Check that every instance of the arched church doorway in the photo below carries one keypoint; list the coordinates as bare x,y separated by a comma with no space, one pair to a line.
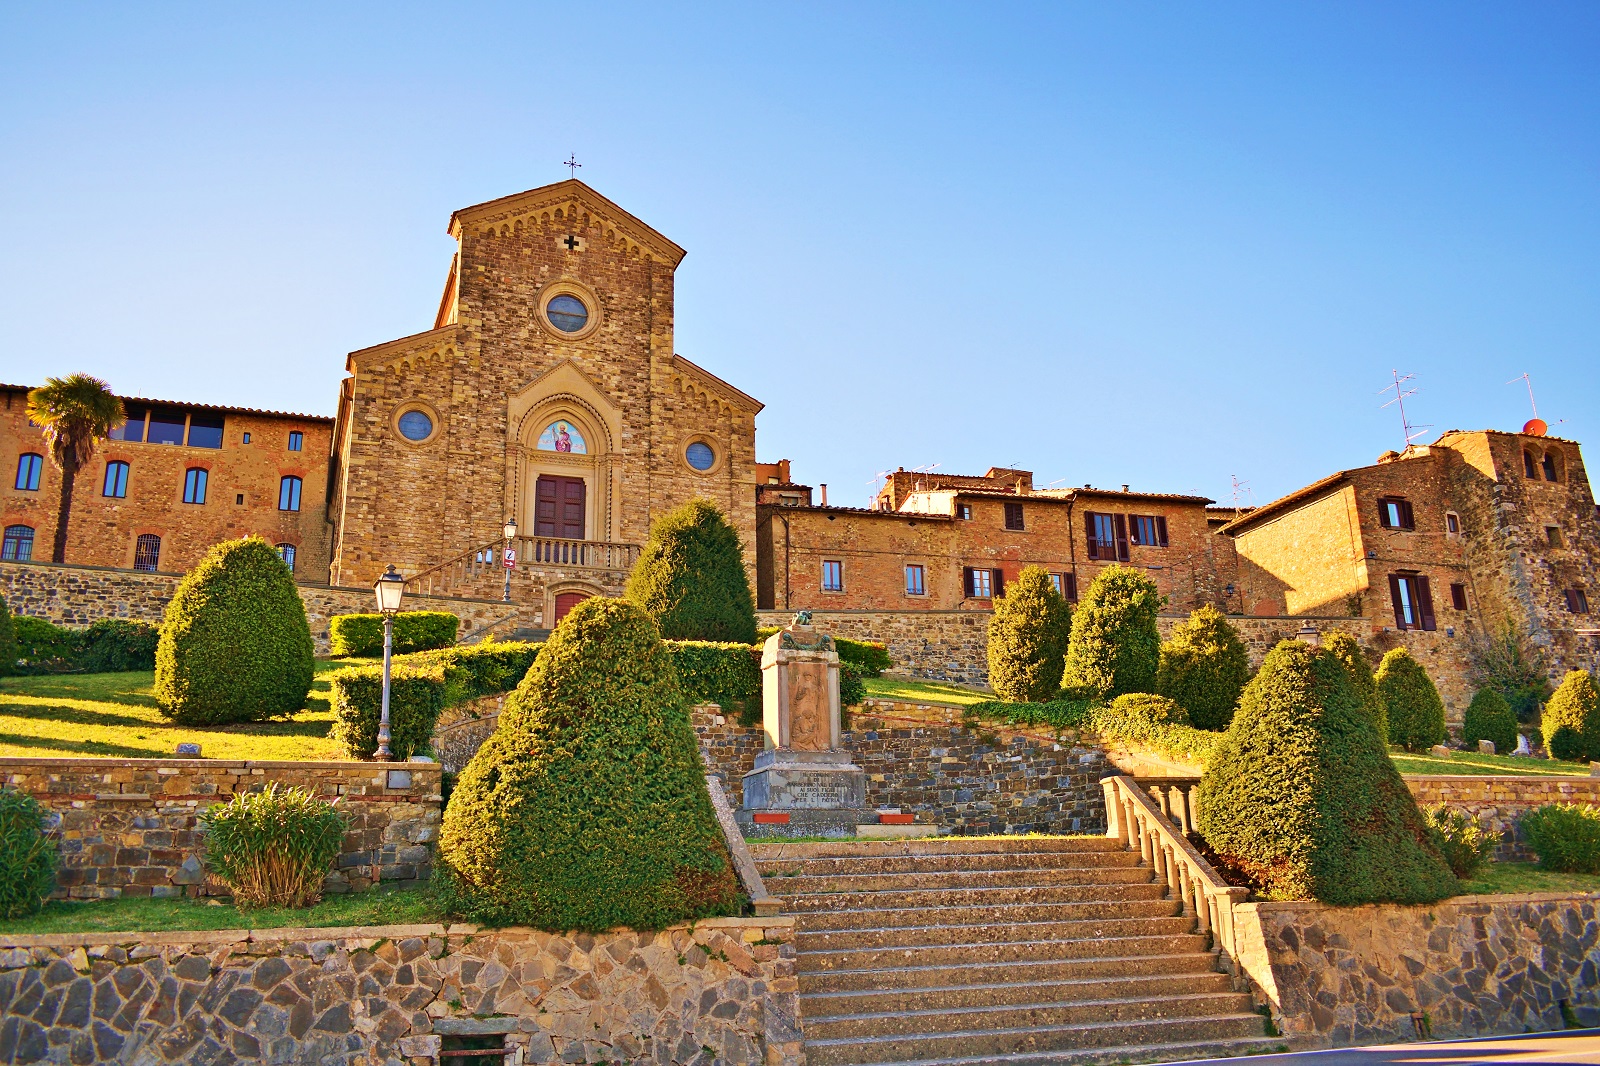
566,601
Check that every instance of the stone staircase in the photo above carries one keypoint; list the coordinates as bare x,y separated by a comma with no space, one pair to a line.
1023,952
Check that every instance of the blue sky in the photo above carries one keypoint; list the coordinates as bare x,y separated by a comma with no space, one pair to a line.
1163,245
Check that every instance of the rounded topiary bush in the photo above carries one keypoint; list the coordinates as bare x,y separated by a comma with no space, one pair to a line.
1028,638
1301,797
1571,721
1149,708
1411,705
1204,668
690,578
8,640
1347,650
1489,717
587,808
235,646
1115,647
27,857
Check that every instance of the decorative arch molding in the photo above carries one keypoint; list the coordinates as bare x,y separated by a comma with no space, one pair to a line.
588,589
563,393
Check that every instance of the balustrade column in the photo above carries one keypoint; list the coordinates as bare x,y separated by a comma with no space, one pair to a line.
1179,801
1174,882
1114,824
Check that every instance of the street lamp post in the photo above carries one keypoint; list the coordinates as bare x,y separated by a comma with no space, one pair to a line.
390,590
506,557
1309,634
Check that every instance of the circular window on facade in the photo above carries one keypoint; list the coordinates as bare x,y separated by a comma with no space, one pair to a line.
700,456
415,426
567,313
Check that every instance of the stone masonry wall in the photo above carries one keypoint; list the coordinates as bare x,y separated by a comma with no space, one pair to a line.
1499,802
722,990
1469,966
129,827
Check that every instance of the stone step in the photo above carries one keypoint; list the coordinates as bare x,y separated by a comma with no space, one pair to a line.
936,846
927,880
946,899
1014,1040
1018,991
892,978
913,864
1090,929
1117,1055
967,917
874,956
1034,1014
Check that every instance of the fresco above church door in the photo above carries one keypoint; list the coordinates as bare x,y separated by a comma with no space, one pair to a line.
562,436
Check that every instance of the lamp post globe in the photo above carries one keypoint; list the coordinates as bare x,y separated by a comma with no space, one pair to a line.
390,589
511,534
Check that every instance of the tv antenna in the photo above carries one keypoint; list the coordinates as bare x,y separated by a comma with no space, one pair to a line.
1412,432
1535,426
1241,492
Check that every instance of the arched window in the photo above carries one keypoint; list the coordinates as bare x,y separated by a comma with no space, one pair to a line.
286,553
194,485
116,483
18,544
147,552
1528,466
289,494
1551,471
29,466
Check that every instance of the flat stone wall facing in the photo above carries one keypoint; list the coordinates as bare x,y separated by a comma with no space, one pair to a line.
1499,802
723,989
129,827
1469,966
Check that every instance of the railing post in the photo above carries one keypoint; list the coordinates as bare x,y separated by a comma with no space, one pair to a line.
1113,823
1160,796
1174,880
1146,838
1179,801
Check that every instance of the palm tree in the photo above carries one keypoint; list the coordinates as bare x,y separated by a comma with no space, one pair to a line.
76,412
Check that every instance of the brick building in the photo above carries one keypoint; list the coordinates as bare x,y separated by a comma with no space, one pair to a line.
176,479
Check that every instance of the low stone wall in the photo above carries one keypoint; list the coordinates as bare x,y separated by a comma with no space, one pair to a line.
723,989
129,827
927,761
1469,966
1499,802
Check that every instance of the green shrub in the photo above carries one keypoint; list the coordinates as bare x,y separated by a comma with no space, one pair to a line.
1571,721
1508,661
871,656
273,848
1204,667
362,634
1028,636
421,686
1489,717
690,577
852,685
587,808
1302,798
8,641
1565,837
1115,647
235,646
1464,843
108,645
1127,720
1151,708
1411,705
726,674
27,858
1347,650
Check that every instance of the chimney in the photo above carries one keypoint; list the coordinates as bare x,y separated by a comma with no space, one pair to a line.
824,487
1124,488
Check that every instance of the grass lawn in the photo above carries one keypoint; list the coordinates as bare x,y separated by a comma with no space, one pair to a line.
1472,764
77,715
892,688
1527,877
406,907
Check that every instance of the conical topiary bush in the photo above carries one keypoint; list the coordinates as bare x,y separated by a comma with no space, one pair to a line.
1115,646
690,578
1302,797
235,645
1204,668
1411,705
1571,721
1028,638
1347,650
587,808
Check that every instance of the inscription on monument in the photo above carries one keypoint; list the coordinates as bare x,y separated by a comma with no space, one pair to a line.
819,796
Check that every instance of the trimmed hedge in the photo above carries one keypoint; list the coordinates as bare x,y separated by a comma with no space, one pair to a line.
690,577
109,645
235,646
871,657
1115,647
362,634
1140,719
8,641
421,686
727,674
1571,721
587,808
1302,799
1347,650
1204,667
1565,836
1028,635
852,685
1411,704
27,857
1489,717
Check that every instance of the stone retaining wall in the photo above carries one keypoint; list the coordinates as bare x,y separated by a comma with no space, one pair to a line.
1469,966
129,827
723,989
1498,802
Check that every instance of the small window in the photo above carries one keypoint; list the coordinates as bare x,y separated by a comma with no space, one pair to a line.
832,575
247,437
29,466
915,584
205,431
147,552
788,500
116,483
1549,467
1529,467
1071,590
166,426
1059,583
18,544
1552,534
1013,515
296,440
194,486
982,584
289,494
1395,513
238,499
964,512
286,553
567,313
1452,522
1577,602
1458,597
133,428
1148,531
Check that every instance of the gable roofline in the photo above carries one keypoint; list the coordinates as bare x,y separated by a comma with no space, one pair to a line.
1285,503
711,381
574,191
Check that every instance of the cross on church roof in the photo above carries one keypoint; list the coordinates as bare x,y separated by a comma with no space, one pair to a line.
571,242
572,165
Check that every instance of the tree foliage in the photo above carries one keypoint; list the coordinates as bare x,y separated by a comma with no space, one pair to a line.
1512,664
1204,668
1347,650
1489,717
1115,647
8,640
690,578
76,413
27,856
1411,704
1571,720
1028,637
1302,798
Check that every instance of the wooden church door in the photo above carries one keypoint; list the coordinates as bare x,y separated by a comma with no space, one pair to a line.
558,507
566,601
